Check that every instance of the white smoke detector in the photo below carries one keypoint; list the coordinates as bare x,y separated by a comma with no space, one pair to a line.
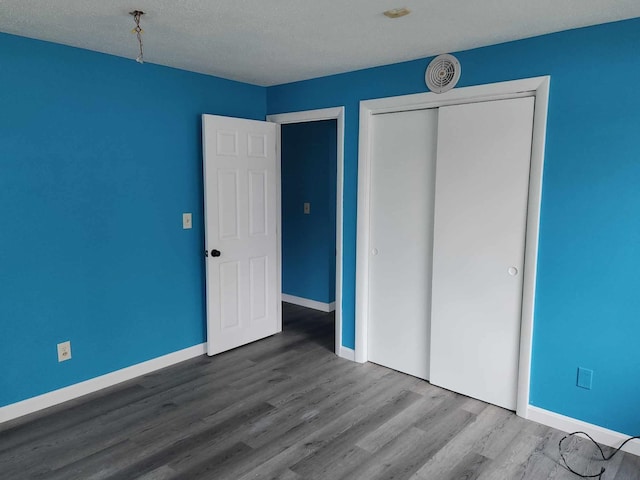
442,73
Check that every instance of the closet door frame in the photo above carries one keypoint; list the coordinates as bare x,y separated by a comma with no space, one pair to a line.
538,88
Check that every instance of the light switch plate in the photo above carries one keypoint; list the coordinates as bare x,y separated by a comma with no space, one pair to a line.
307,208
186,221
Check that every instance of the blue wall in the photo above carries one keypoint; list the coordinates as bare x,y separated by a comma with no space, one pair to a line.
587,299
99,157
309,241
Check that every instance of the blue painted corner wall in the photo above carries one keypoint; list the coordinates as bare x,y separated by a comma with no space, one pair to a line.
309,157
587,301
99,158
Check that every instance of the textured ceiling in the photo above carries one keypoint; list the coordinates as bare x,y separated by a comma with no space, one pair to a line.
268,42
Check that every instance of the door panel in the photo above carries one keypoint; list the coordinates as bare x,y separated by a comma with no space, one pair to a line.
401,223
228,203
259,288
258,203
229,293
482,180
240,222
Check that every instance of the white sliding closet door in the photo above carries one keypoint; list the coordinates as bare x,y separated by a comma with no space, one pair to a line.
401,234
482,181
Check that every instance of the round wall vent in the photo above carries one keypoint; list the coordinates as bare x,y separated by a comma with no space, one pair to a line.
442,73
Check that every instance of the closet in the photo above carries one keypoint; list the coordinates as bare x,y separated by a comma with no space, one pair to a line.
448,211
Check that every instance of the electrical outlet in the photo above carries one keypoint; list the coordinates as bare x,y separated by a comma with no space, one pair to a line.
307,208
64,351
585,378
186,221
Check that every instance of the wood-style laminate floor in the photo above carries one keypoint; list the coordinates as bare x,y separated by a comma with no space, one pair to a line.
287,408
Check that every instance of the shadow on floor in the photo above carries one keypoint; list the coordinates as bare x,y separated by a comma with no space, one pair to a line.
315,326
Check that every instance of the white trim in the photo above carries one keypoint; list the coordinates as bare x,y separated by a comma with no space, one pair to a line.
336,113
307,302
347,353
71,392
537,87
602,435
531,243
362,235
278,229
478,93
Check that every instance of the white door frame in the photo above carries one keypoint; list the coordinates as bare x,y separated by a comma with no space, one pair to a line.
336,113
537,87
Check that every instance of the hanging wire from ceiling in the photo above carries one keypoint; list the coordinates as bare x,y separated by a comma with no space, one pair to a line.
137,14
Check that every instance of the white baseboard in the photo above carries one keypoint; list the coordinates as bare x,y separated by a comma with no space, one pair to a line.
567,424
65,394
347,353
305,302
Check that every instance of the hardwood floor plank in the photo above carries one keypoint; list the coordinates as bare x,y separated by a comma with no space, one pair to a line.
41,424
398,460
472,439
342,449
214,435
213,465
514,459
327,374
302,441
162,473
474,406
469,467
370,394
401,459
99,465
501,436
395,426
544,459
629,468
286,408
583,457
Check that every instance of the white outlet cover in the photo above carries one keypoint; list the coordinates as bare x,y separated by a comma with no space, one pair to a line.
186,221
64,351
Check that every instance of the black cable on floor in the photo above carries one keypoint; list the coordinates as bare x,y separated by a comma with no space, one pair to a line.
604,457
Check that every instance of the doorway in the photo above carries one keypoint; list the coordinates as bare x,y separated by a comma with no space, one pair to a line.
308,185
304,223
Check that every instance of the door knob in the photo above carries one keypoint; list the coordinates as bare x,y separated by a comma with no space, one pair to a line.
513,271
215,253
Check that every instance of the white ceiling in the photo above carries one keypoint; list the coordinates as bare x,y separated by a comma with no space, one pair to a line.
269,42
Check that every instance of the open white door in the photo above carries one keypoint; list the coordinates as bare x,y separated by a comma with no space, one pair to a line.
240,174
